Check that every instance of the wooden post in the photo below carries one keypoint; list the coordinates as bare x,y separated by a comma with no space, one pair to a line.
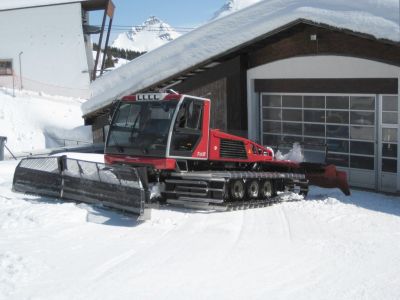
100,42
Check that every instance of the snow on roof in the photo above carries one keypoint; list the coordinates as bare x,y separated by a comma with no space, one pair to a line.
378,18
15,4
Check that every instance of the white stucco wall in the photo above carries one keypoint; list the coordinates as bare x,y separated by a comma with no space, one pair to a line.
309,67
54,55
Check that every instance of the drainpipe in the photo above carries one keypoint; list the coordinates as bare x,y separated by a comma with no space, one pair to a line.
20,68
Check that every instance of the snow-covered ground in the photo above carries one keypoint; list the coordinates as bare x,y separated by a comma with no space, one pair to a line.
34,121
326,247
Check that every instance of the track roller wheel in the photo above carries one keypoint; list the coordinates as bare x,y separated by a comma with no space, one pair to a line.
237,190
253,189
267,189
304,188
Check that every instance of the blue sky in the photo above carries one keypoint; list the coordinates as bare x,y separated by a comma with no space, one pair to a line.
177,13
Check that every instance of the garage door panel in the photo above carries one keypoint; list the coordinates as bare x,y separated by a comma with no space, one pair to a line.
337,102
345,124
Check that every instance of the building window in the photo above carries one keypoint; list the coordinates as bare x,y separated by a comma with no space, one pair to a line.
6,67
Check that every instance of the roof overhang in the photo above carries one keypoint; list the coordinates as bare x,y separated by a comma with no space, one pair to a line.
212,62
229,35
255,43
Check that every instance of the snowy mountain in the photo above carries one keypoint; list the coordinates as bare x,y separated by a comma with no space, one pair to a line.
151,34
231,6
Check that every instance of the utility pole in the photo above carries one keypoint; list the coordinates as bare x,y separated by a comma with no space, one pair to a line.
20,68
13,79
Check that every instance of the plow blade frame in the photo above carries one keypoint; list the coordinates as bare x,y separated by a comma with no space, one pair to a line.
120,187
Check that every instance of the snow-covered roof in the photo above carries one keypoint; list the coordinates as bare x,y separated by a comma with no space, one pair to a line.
378,18
14,4
231,6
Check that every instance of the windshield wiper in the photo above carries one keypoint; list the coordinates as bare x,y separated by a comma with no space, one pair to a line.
133,128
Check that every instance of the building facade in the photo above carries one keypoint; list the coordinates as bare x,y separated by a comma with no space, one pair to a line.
46,47
344,94
353,112
341,95
321,86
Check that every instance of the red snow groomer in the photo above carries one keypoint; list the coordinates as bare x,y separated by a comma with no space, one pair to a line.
170,134
161,146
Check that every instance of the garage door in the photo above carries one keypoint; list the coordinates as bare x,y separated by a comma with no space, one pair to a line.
388,143
346,124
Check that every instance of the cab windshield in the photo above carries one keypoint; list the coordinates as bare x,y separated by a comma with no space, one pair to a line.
141,128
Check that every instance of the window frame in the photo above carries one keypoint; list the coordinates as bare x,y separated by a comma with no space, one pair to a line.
176,131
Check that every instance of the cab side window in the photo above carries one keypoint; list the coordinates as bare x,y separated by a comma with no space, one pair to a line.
187,127
190,115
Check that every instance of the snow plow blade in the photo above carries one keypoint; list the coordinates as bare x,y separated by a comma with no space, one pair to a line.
326,176
120,187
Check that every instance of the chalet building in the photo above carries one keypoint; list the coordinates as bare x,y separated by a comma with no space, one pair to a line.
45,45
303,79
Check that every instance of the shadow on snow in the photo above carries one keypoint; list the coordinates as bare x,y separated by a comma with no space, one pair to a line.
389,204
384,203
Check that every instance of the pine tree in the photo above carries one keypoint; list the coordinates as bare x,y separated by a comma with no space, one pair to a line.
109,63
119,53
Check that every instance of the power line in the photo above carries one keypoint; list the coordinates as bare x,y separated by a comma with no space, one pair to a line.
123,29
147,28
151,30
142,26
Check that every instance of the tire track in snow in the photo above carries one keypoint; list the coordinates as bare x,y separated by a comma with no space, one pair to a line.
181,239
239,233
125,260
181,236
106,269
284,221
111,264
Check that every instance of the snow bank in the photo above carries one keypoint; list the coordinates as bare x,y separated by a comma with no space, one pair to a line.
56,137
118,62
156,189
294,154
377,18
33,121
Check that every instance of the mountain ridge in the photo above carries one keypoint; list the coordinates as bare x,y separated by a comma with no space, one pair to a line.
151,34
154,32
